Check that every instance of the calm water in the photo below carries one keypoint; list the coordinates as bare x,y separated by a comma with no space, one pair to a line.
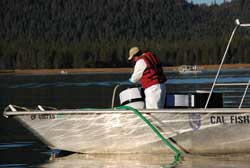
19,148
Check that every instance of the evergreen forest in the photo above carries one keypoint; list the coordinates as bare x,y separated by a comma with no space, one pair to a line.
51,34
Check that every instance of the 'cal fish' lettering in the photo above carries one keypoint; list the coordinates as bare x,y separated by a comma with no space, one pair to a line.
217,120
242,119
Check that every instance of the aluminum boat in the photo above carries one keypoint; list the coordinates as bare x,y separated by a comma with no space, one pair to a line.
191,130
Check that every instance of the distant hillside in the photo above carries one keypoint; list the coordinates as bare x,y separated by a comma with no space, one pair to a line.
98,33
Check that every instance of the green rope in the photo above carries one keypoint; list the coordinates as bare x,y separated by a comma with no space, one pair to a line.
178,155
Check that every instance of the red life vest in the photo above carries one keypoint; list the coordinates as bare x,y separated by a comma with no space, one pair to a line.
153,74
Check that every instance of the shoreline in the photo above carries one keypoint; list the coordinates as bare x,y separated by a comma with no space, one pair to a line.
110,70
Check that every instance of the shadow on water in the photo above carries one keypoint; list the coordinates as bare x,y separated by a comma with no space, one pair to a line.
18,147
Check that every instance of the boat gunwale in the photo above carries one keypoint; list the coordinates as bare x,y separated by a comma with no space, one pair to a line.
143,111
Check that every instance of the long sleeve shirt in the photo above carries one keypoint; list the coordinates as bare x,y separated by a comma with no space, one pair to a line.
139,68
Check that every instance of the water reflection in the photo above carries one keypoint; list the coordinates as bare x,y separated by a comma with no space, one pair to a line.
14,145
147,161
111,161
222,161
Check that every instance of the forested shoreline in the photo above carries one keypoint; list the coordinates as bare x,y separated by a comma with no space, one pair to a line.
45,34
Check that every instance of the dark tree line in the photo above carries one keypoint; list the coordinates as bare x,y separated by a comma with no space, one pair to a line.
98,33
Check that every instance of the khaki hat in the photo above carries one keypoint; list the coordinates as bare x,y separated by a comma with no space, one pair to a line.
132,52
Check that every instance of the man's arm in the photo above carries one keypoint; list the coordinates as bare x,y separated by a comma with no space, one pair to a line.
139,68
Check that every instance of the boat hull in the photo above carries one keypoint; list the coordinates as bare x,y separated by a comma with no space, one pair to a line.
116,131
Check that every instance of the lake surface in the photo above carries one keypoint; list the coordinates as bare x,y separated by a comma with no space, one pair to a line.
19,148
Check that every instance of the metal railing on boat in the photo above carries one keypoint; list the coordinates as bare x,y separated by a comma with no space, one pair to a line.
238,24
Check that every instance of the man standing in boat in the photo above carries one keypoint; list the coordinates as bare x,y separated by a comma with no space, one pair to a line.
148,70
